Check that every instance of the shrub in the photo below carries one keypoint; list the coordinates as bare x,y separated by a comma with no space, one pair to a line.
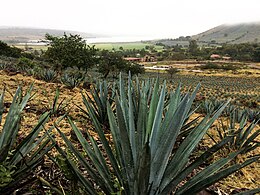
24,64
135,69
171,71
215,66
8,51
210,66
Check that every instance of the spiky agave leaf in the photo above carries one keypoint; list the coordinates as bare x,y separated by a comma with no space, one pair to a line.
29,153
98,97
144,131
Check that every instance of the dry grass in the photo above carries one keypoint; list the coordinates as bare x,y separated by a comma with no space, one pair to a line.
246,178
249,177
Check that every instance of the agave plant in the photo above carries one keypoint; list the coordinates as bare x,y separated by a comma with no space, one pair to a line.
244,135
48,75
57,108
18,159
140,159
209,106
253,115
71,80
100,94
3,66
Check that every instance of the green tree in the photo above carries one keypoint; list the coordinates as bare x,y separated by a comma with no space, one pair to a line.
8,51
172,71
111,61
193,47
256,54
135,68
69,51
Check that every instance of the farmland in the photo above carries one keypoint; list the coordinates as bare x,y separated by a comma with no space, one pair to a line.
243,91
107,46
116,46
79,123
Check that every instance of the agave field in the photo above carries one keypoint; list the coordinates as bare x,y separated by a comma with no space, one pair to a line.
243,90
133,135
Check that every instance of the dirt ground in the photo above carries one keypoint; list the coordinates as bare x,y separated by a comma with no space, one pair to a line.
248,177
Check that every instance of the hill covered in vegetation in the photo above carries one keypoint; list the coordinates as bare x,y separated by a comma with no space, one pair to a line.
234,34
223,34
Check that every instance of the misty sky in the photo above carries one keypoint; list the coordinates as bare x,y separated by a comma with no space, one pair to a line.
152,18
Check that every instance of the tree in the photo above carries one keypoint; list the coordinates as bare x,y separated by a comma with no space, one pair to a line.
193,47
69,51
256,54
8,51
111,61
172,71
135,68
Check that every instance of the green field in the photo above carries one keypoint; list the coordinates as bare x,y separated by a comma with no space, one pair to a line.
132,45
34,47
106,46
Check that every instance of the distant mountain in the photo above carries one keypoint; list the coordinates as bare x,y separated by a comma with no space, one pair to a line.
230,34
233,34
19,34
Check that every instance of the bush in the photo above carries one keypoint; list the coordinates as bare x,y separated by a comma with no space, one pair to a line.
215,66
8,51
24,64
135,69
210,66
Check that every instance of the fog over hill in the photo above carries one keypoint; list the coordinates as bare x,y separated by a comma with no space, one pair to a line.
235,33
20,34
226,33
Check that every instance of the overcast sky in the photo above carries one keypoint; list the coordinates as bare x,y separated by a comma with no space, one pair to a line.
152,18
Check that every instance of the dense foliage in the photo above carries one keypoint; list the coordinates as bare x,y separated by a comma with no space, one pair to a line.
69,51
110,61
8,51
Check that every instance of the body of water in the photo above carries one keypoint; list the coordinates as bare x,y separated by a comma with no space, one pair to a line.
118,39
94,40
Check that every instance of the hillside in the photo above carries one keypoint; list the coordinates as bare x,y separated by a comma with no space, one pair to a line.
19,34
234,34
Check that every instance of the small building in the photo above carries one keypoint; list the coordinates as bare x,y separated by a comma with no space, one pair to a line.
149,58
215,56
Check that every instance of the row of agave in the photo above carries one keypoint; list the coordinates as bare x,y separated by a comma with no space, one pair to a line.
244,91
153,138
71,78
208,106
